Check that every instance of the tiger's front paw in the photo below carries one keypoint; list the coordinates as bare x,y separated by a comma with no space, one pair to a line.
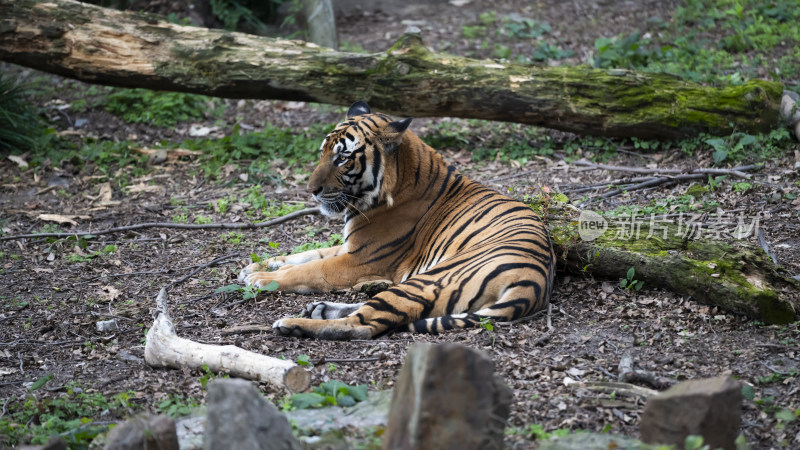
262,266
258,279
285,327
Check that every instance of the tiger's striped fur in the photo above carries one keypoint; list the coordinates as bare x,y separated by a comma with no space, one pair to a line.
457,251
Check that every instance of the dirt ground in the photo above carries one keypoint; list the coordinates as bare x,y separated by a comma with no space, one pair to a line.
51,304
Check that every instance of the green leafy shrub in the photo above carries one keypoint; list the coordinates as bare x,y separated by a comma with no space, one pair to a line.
33,420
162,109
332,393
269,144
19,121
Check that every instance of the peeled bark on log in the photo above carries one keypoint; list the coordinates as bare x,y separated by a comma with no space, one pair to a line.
165,349
126,49
736,276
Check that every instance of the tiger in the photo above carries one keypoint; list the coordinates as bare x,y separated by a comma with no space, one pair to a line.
457,252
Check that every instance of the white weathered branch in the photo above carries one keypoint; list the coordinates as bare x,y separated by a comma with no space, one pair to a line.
165,349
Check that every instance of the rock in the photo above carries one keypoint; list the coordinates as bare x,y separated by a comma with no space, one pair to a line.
104,326
711,408
55,443
371,412
191,430
447,397
595,441
143,431
239,417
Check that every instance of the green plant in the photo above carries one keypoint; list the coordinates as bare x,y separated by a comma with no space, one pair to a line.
202,219
629,282
693,442
20,126
547,51
76,258
248,292
208,375
32,419
162,109
303,360
524,28
177,406
776,377
335,239
263,147
537,432
473,32
502,51
331,393
222,205
231,13
486,325
737,142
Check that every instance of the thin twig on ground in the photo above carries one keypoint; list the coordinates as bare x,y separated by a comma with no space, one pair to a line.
204,266
736,171
245,329
324,360
183,226
523,319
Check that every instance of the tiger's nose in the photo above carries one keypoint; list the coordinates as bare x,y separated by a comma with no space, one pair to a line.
316,190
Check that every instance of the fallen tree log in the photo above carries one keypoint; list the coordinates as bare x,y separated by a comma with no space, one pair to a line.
734,275
165,349
105,46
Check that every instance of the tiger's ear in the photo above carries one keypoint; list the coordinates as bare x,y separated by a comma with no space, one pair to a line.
357,109
392,134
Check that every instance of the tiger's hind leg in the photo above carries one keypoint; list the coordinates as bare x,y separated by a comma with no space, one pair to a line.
384,312
329,310
519,300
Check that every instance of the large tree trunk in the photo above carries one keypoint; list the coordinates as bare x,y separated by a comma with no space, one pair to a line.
105,46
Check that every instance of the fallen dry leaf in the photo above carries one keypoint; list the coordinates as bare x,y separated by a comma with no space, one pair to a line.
109,293
172,153
105,192
61,218
141,187
18,161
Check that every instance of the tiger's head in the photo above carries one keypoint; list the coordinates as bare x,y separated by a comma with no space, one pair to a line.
357,166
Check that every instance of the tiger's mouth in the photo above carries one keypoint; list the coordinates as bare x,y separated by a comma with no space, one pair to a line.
332,204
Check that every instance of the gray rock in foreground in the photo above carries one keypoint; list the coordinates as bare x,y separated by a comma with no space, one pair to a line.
238,417
143,431
711,408
447,397
595,441
371,412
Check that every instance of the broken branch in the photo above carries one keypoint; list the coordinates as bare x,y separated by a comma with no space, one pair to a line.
165,349
184,226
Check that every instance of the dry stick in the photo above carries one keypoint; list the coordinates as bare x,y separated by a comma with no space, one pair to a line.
656,181
204,266
324,360
736,171
763,243
523,319
183,226
165,348
243,329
